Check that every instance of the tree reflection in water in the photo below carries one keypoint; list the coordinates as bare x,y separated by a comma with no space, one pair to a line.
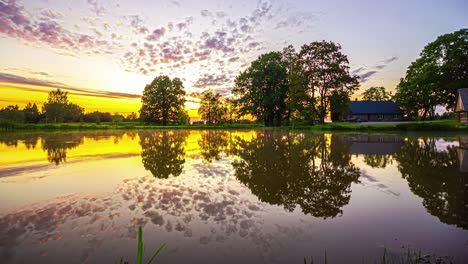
297,170
163,152
212,143
57,145
434,176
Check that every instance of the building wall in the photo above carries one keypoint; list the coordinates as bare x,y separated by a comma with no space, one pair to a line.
464,118
374,117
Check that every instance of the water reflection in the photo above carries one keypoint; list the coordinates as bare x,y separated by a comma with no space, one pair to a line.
221,197
56,146
435,176
163,152
297,170
377,149
212,143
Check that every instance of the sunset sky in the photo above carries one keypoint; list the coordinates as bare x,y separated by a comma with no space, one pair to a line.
105,52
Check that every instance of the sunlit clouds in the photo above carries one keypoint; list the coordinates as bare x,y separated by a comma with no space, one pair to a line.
121,46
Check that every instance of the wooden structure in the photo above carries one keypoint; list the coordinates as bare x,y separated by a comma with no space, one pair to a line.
373,111
462,105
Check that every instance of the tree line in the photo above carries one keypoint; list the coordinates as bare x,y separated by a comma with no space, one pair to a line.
315,82
58,109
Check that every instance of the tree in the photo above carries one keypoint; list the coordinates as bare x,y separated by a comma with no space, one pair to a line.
162,100
31,114
376,94
263,88
55,107
12,113
297,109
132,117
338,104
325,70
183,117
117,119
433,79
73,113
211,108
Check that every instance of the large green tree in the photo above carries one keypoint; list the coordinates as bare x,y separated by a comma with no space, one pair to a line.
162,100
325,69
433,79
376,94
56,106
211,108
262,89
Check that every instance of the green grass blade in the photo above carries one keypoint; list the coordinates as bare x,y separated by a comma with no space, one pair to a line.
156,253
140,246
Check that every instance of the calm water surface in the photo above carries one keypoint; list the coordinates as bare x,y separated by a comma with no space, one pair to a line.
231,196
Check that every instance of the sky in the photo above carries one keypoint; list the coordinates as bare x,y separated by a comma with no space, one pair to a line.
105,52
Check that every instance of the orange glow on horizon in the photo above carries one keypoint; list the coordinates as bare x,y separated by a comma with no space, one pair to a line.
22,94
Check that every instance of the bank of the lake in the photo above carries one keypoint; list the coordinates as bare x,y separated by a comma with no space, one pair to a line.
438,125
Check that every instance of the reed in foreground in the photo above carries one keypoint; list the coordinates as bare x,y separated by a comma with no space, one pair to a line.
140,250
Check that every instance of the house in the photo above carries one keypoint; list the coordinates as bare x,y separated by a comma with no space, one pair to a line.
373,111
462,105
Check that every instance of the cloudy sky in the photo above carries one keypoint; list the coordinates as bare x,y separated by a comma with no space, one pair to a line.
110,50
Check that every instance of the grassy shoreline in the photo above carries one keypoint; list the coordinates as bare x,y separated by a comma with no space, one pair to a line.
441,125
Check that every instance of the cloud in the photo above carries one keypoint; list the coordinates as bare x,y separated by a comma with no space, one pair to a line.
366,72
211,80
206,13
365,76
157,34
96,7
50,14
16,79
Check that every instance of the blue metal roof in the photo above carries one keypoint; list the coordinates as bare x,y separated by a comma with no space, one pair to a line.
374,107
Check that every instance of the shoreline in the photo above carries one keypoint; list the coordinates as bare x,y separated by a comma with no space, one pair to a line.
428,126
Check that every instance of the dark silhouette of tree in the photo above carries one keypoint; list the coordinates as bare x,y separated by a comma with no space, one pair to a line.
434,176
325,69
376,94
339,100
297,170
262,89
55,107
162,100
211,108
163,152
31,114
212,143
12,113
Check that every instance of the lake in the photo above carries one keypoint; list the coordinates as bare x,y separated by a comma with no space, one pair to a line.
262,196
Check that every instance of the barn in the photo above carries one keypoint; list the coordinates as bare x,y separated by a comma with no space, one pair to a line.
373,111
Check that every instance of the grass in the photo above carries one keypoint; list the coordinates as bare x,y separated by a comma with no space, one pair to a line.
140,251
408,257
439,125
11,126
